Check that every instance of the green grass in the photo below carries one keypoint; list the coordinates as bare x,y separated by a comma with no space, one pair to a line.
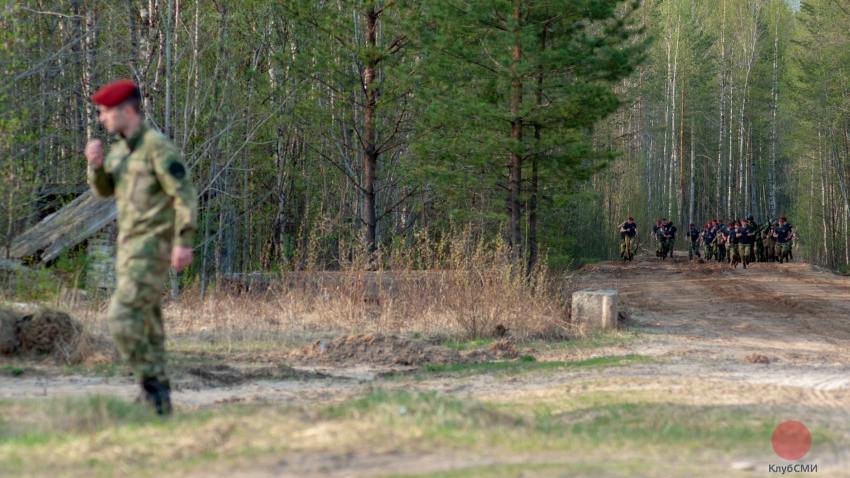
456,422
601,434
537,470
12,370
523,365
468,344
42,421
594,339
222,345
110,369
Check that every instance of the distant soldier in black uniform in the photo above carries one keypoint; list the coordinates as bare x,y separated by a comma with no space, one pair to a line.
709,234
784,235
659,239
732,244
722,240
757,246
628,234
769,241
693,239
745,242
669,237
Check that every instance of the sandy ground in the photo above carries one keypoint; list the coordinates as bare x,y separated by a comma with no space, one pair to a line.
704,325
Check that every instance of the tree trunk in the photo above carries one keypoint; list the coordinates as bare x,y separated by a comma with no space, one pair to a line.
370,155
729,177
692,184
674,155
680,197
532,203
718,180
771,176
515,166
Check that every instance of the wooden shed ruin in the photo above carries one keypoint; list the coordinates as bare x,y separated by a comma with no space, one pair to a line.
87,219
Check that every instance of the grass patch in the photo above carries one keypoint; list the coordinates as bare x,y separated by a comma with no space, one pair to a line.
526,364
592,340
10,370
42,420
468,344
98,436
108,369
51,436
691,427
223,344
643,427
629,469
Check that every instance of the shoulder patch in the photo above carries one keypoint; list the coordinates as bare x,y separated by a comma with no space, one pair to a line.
176,169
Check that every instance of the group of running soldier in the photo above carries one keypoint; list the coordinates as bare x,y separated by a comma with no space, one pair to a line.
737,242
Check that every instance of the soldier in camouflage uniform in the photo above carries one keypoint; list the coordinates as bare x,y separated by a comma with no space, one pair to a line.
745,242
657,233
157,217
709,234
693,242
769,241
757,246
722,241
784,235
732,249
628,235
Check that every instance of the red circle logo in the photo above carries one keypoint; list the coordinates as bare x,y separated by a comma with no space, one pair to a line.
791,440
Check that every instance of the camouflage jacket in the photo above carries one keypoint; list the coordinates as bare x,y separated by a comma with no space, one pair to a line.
153,189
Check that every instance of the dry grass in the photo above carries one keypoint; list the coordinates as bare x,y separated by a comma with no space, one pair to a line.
458,287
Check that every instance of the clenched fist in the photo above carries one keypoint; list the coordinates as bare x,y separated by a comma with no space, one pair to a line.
181,257
94,153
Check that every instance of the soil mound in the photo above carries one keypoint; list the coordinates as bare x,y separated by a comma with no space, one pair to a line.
391,350
757,358
8,332
38,330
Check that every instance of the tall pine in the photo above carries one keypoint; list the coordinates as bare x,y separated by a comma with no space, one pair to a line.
514,89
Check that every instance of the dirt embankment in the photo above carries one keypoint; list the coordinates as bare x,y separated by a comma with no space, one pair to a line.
391,350
766,302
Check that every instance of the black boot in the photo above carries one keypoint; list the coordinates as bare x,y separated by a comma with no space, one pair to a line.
158,395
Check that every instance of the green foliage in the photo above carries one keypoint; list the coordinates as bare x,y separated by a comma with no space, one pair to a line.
565,71
82,415
72,266
268,107
39,285
12,370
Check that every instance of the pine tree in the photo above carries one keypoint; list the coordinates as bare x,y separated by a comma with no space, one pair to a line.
518,84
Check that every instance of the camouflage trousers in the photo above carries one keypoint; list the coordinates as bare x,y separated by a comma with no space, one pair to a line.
135,311
783,251
694,250
709,251
770,250
734,252
628,247
746,251
760,252
720,252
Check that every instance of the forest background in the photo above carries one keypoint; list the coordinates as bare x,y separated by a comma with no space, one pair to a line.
322,132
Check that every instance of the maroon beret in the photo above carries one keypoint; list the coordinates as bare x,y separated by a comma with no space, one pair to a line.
115,93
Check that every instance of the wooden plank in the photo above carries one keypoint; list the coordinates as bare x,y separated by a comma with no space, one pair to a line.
74,223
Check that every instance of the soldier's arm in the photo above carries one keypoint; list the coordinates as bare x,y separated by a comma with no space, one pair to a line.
176,181
100,181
